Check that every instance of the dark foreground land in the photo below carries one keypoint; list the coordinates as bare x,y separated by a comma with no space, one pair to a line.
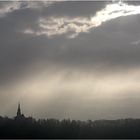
52,128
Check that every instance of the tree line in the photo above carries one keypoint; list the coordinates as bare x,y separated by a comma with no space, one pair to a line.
53,128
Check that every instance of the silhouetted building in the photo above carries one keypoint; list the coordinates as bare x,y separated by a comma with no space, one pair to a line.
19,115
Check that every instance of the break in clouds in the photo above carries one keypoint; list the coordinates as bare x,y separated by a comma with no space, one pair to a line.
70,59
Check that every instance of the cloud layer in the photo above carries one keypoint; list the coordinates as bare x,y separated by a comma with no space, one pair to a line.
61,25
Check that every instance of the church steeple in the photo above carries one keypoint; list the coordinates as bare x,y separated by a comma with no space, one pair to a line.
19,116
18,110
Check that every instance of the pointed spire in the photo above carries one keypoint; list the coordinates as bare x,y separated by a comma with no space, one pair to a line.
18,105
19,110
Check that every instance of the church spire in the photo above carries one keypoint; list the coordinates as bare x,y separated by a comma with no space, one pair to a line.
18,110
19,116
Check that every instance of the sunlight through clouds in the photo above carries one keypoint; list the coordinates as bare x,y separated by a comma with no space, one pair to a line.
51,74
51,26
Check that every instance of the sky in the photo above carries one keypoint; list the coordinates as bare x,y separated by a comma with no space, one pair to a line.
70,59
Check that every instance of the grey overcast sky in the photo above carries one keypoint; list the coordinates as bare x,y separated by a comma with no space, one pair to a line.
70,59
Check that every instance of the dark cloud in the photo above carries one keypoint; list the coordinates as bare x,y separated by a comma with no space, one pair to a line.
73,8
109,45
